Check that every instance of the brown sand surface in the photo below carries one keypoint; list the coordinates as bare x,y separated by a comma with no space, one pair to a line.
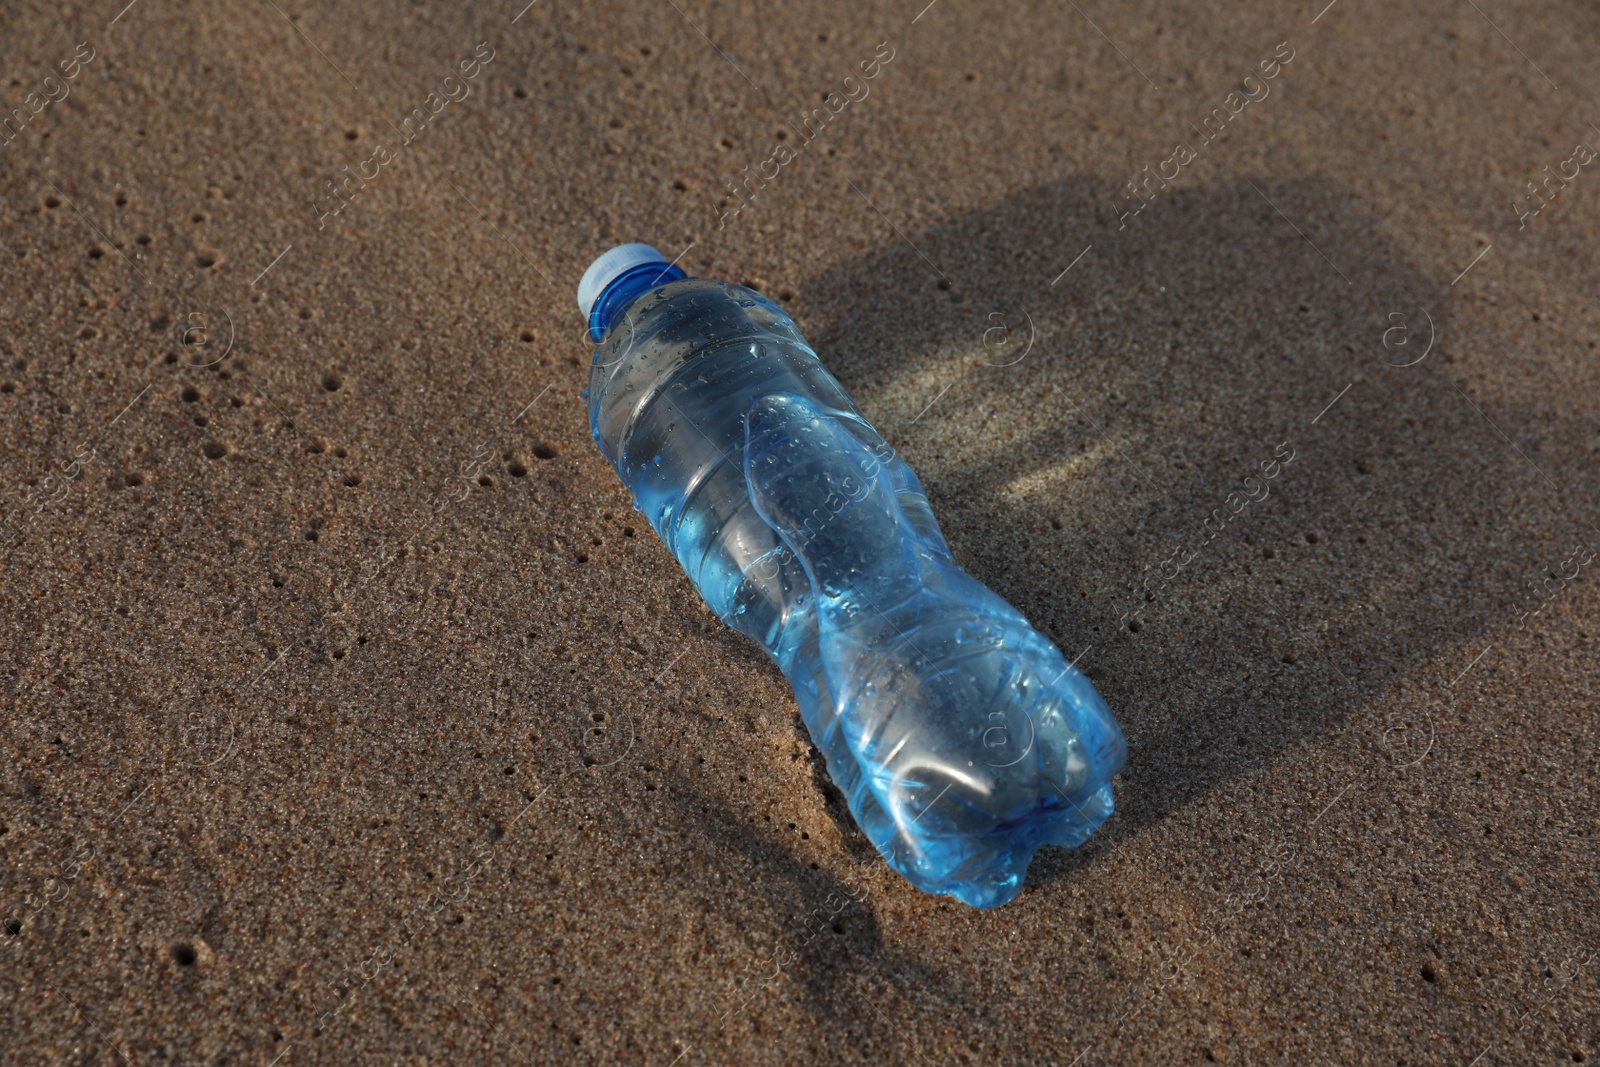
351,714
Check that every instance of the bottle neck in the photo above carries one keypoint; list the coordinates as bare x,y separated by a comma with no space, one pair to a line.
624,290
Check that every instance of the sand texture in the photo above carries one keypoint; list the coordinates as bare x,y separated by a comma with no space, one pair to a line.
353,716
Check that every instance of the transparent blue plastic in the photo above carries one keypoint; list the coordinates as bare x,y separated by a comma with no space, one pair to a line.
960,736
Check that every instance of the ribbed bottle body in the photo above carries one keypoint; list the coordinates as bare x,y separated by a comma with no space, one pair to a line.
961,738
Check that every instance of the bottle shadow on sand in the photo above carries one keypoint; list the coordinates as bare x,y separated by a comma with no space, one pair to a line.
1166,367
1209,474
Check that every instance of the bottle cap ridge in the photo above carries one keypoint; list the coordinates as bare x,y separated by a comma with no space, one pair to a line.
610,266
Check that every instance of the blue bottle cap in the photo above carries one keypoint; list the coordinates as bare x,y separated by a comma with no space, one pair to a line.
638,265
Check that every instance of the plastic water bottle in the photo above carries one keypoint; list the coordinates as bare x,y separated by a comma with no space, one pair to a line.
961,737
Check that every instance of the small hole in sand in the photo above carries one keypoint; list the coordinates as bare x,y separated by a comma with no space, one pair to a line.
133,481
97,252
544,451
183,954
143,239
486,481
517,470
190,394
13,927
8,387
311,535
213,450
206,259
340,452
51,202
352,480
331,383
528,336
